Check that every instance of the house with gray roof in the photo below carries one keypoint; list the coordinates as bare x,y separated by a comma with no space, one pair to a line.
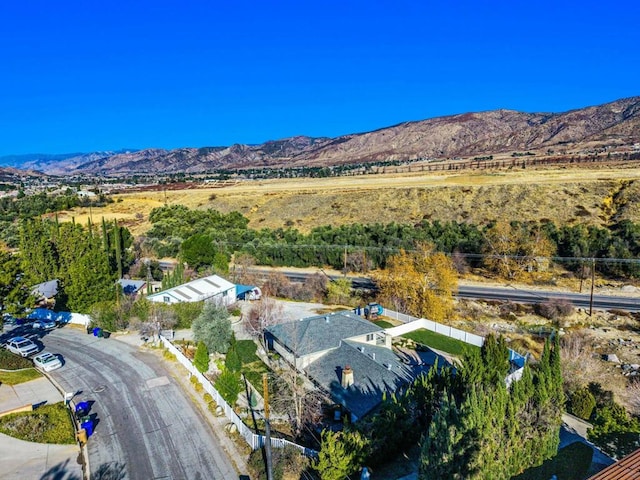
45,293
347,357
132,288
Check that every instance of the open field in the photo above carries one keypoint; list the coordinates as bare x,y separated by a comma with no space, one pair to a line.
565,195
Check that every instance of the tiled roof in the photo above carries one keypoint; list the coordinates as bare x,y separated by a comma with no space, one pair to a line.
321,332
626,469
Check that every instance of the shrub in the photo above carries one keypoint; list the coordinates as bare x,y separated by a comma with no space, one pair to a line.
201,359
554,308
229,386
287,463
232,361
582,403
48,424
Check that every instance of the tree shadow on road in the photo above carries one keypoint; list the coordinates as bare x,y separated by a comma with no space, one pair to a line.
109,471
106,471
60,472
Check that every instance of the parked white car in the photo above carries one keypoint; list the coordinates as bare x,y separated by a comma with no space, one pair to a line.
44,324
47,361
21,346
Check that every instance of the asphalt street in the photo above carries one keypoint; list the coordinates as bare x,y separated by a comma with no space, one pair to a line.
146,427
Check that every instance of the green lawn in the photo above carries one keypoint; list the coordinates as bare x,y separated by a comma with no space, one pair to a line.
252,366
438,341
11,361
571,463
383,323
46,424
19,376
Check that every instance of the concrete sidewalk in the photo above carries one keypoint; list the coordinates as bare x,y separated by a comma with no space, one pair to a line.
22,459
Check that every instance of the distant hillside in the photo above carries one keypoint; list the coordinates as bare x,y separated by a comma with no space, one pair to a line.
612,125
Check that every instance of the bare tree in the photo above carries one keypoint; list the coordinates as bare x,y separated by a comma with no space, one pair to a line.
264,313
160,318
242,265
296,398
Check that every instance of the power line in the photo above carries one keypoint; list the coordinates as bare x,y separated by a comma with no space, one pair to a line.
393,249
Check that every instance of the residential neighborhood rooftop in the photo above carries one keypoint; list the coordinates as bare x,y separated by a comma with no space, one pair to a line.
321,332
376,370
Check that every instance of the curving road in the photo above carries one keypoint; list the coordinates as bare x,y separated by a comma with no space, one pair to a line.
147,427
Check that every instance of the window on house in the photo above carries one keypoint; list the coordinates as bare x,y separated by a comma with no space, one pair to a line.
369,337
166,299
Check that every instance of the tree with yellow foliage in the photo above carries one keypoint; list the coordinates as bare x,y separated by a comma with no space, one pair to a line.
420,283
514,248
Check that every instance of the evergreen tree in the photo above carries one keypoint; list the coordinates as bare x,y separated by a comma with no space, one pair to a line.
201,359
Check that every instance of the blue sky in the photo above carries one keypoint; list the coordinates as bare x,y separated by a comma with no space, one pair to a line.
86,76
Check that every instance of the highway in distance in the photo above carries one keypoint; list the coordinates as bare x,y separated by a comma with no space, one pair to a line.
512,294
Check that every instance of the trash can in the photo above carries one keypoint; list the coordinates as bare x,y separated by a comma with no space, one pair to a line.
82,436
106,334
87,425
97,332
82,409
89,329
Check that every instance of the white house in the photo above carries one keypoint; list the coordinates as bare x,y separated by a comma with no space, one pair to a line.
211,289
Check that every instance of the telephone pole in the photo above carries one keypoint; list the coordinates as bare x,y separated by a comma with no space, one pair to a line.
593,278
267,428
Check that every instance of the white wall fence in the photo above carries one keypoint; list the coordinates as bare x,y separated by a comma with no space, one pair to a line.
254,440
62,317
412,323
420,323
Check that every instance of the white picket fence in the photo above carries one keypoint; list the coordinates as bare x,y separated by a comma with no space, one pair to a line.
254,440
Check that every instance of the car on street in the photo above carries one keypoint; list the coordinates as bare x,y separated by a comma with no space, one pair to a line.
47,361
22,346
44,324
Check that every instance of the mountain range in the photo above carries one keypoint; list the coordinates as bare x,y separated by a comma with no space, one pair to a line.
612,125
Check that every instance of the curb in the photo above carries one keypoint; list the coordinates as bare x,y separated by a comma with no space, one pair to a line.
86,470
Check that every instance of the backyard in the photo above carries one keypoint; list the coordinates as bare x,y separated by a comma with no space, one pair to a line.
438,341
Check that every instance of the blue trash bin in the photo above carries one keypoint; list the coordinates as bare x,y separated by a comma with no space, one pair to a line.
88,427
96,332
82,409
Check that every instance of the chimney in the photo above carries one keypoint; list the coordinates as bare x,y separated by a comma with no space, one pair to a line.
347,377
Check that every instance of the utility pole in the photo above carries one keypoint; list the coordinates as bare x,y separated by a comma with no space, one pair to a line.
345,261
267,428
593,277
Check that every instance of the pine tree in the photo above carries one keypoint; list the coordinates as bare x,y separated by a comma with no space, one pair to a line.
335,460
201,359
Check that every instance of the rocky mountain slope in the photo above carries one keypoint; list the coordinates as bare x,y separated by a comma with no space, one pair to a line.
613,124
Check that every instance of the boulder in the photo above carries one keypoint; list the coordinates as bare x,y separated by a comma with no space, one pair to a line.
612,357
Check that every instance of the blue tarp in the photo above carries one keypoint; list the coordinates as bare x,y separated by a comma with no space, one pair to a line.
243,290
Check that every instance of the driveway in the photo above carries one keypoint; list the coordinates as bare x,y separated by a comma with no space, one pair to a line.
147,427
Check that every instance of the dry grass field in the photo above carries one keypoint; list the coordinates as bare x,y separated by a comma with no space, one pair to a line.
564,195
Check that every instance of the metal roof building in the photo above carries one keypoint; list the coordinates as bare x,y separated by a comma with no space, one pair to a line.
211,289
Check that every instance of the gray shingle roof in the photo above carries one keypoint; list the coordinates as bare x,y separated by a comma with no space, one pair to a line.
321,332
376,370
46,289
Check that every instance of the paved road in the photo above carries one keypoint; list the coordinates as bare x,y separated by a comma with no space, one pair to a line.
147,427
582,300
